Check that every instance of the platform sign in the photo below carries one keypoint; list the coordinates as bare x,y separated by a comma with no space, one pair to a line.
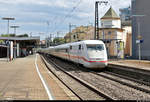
139,41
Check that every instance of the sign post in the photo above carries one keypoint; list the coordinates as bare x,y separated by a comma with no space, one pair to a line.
139,41
139,35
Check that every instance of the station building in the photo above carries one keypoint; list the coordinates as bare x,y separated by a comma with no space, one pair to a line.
18,46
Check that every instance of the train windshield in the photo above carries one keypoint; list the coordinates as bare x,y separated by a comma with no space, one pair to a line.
92,47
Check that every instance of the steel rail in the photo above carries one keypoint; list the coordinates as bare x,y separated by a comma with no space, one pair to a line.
121,82
125,83
46,64
89,86
128,78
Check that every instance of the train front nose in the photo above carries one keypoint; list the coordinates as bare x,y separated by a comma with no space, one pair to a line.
97,55
97,64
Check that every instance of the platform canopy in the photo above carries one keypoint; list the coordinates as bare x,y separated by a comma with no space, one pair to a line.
23,41
20,38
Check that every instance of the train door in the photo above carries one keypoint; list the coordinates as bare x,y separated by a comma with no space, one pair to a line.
69,53
80,53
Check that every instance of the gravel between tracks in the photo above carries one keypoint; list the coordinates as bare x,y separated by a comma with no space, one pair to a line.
81,90
115,89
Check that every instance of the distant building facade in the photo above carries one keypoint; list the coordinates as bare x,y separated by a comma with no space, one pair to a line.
141,7
125,16
128,47
80,33
112,34
116,37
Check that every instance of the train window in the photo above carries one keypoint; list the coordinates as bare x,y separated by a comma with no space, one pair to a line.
70,47
79,47
66,50
99,47
56,50
74,36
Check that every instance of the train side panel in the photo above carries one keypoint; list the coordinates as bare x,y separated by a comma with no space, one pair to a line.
90,53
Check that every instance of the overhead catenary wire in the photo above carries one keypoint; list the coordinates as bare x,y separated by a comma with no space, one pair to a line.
66,16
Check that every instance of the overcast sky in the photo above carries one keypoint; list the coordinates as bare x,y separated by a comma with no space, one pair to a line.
42,17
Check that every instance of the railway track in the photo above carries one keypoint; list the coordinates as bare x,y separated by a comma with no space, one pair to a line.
97,93
123,81
109,79
135,73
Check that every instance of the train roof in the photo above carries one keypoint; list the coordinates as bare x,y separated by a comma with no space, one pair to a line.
79,42
87,42
92,41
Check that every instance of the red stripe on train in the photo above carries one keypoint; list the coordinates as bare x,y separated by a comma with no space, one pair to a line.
83,58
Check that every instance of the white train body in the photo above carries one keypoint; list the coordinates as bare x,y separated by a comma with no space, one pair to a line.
89,53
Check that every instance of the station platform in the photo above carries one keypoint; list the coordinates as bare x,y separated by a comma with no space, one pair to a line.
20,80
142,64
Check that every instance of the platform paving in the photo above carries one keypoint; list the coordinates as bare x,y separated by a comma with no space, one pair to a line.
142,64
19,80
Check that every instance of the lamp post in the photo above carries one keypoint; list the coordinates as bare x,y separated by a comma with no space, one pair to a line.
15,27
139,34
8,19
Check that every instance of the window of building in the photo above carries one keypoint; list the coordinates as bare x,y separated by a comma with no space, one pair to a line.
77,36
74,36
109,32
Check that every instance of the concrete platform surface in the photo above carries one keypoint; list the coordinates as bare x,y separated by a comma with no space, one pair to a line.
19,80
142,64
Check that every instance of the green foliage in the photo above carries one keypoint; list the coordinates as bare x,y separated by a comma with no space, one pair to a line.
8,35
12,35
1,41
24,35
59,40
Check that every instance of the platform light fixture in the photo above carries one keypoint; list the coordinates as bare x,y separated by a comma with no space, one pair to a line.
15,27
8,19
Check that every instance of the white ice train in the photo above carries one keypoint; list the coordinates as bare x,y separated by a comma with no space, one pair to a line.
89,53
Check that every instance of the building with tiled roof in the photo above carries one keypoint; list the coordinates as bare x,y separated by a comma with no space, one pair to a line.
110,19
110,14
112,33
